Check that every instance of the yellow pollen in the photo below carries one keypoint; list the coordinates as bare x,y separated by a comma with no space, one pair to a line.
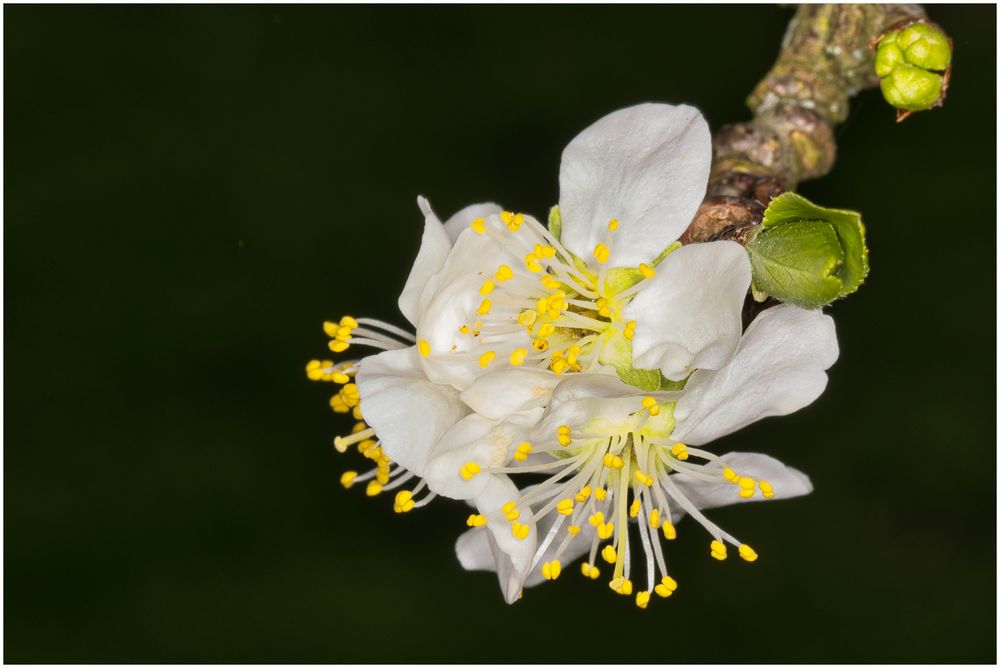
504,273
550,282
347,479
718,550
608,554
486,358
551,569
374,488
479,225
730,475
521,454
679,450
476,521
544,251
613,461
484,307
546,330
348,321
469,470
596,518
487,287
600,493
747,553
573,529
339,346
517,357
669,532
766,489
519,531
583,494
605,531
654,518
621,586
404,502
666,587
510,511
527,318
643,478
601,253
565,507
612,225
642,599
589,571
647,271
424,347
531,263
633,510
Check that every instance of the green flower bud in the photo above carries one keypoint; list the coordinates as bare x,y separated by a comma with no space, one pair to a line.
912,63
807,255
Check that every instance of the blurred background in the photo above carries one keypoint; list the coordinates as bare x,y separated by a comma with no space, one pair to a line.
190,191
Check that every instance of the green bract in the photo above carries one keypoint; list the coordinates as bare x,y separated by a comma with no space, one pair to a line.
911,63
807,255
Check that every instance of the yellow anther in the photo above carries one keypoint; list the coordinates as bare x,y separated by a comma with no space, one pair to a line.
424,346
541,345
766,489
647,271
563,435
571,354
359,426
486,358
600,493
519,531
601,253
504,273
621,586
487,287
643,478
314,370
628,334
573,529
583,494
339,378
338,405
527,318
679,450
718,550
585,568
642,599
605,531
521,454
747,487
330,328
404,502
612,225
633,510
669,532
356,413
510,511
348,321
531,263
517,357
596,518
546,330
747,553
382,476
565,507
613,461
511,220
551,569
608,554
654,518
484,306
338,346
558,367
476,521
464,329
374,488
542,250
648,402
469,470
479,225
347,478
666,587
604,312
550,282
730,475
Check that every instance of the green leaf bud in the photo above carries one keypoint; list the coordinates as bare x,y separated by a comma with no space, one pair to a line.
807,255
913,63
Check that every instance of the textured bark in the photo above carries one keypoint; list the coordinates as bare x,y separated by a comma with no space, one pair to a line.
826,58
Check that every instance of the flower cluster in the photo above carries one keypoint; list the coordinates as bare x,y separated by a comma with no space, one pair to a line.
564,379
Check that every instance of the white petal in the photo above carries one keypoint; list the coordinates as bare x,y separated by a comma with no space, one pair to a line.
511,556
647,166
455,225
786,481
500,393
434,248
408,412
688,316
486,442
778,368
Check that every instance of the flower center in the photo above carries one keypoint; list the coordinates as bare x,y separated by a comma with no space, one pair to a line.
612,473
567,308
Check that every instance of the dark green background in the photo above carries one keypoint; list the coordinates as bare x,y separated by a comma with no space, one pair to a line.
190,191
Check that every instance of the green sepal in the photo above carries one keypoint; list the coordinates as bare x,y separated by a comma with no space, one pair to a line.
555,222
616,351
806,254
